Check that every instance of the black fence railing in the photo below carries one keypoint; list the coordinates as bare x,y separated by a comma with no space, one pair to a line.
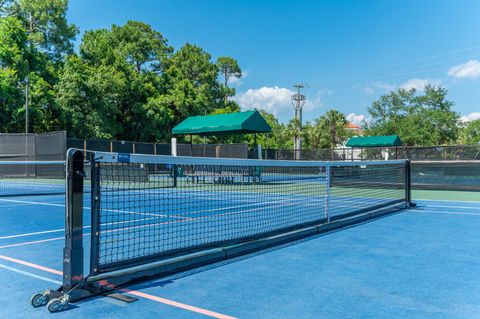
198,150
424,153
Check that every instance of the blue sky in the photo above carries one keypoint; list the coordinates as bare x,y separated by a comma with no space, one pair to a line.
349,52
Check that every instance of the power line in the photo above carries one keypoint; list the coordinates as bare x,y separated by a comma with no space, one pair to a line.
368,76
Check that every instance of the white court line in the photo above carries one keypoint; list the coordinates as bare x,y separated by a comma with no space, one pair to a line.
29,274
16,205
36,233
193,219
462,207
446,200
55,282
156,215
32,203
440,212
86,207
32,242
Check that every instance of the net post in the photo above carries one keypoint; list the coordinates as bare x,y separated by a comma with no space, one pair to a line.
408,183
95,217
175,175
327,191
73,250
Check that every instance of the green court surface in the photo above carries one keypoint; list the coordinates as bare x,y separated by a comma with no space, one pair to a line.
463,196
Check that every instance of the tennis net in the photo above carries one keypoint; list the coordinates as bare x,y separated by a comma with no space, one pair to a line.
18,178
147,208
157,215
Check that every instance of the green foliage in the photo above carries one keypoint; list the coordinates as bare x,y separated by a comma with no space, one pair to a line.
425,119
228,68
190,83
47,26
135,44
470,134
13,45
327,131
11,95
34,38
127,83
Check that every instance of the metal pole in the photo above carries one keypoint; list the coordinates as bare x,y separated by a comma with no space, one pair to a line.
73,251
26,104
327,195
408,183
26,117
191,145
298,100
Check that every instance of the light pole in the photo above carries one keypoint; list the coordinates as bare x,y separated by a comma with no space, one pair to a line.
298,100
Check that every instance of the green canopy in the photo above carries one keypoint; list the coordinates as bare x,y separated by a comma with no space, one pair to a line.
374,141
223,124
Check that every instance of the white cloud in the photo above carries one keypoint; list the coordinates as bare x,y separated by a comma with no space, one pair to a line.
368,90
275,100
419,84
470,69
236,81
386,87
358,119
470,117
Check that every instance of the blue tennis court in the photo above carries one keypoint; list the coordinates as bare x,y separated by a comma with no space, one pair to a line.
417,263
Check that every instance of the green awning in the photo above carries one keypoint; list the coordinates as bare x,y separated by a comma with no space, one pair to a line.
374,141
222,124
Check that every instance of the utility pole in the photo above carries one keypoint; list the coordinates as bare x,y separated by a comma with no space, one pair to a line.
298,100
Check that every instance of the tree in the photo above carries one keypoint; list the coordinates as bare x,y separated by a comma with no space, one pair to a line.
425,119
89,97
47,26
134,43
191,85
34,39
334,122
13,69
470,134
228,67
135,52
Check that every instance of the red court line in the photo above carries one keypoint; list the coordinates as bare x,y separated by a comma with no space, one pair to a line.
32,265
140,294
177,304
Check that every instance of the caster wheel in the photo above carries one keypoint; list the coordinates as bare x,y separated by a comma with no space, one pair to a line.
38,300
56,305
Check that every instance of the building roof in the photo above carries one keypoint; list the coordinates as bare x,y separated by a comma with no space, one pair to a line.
374,141
223,124
352,126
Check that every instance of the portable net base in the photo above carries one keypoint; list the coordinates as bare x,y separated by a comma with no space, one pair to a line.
153,216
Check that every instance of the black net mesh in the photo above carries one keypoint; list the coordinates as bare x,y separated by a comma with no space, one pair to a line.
155,208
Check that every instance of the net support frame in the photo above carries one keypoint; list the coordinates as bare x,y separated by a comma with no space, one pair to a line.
327,194
73,251
77,286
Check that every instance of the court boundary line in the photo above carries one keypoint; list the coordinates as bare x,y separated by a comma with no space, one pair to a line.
459,207
446,200
445,213
137,293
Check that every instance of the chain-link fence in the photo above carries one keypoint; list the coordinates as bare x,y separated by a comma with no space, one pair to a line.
437,153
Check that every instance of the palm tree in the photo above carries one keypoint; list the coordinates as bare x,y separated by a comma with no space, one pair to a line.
334,122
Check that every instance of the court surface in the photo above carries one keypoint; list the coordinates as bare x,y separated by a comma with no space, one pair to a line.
418,263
